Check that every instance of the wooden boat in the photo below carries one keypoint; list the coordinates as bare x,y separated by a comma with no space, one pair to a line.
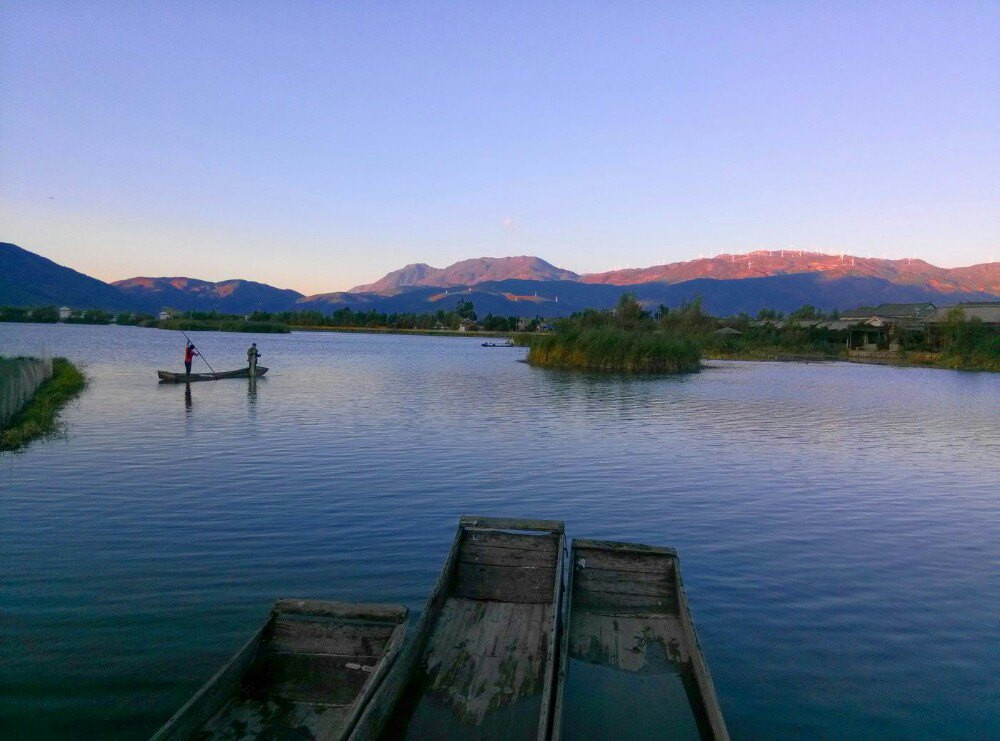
169,377
499,344
482,661
307,673
630,664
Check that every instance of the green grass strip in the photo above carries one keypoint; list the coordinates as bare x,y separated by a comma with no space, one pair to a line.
40,416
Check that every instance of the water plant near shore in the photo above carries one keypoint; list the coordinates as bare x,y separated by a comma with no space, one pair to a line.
611,349
40,416
626,339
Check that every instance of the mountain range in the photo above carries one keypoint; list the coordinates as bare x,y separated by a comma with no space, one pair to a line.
467,273
190,294
528,286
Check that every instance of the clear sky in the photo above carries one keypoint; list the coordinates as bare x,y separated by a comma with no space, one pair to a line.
317,145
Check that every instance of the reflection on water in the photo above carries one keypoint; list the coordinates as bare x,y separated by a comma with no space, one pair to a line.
836,523
603,702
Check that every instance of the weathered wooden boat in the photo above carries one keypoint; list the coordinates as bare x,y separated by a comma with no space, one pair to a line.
306,674
499,344
630,664
482,661
170,377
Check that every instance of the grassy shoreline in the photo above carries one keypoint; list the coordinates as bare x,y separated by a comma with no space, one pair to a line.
901,359
943,361
397,330
216,325
770,353
40,415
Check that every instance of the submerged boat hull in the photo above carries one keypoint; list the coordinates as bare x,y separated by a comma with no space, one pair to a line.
170,377
630,663
307,673
482,661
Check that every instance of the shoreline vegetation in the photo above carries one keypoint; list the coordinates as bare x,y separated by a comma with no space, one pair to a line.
39,417
613,349
626,338
227,324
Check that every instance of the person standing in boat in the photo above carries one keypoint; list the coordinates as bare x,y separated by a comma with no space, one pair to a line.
252,356
189,353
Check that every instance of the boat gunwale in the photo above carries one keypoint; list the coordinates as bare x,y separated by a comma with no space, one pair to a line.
202,706
620,547
703,678
512,523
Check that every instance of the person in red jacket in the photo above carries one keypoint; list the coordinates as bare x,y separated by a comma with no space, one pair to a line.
189,353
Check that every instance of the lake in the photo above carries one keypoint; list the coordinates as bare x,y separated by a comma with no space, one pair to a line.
837,524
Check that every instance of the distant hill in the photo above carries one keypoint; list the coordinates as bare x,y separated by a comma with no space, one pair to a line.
721,297
27,279
528,286
190,294
975,278
467,273
984,278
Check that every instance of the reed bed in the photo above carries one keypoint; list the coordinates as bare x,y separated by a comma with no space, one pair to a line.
614,349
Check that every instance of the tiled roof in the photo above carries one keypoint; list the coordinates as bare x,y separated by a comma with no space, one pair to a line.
987,311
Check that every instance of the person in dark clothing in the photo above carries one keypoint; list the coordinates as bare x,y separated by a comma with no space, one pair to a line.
252,356
189,353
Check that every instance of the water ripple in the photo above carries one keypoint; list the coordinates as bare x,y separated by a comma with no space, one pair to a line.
836,523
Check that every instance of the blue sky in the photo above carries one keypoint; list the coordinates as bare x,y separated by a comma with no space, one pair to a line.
318,145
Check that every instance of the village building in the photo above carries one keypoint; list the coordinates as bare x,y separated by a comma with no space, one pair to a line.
988,312
914,312
65,313
835,325
886,326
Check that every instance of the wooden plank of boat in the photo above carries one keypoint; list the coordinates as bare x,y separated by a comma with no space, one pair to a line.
482,661
630,663
170,377
307,673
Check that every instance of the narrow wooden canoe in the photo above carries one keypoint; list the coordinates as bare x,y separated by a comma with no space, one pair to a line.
307,673
170,377
482,661
630,664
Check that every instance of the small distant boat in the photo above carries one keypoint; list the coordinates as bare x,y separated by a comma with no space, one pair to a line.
630,658
481,662
307,673
168,377
499,344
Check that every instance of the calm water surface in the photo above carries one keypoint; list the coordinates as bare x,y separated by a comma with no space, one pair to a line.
837,524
